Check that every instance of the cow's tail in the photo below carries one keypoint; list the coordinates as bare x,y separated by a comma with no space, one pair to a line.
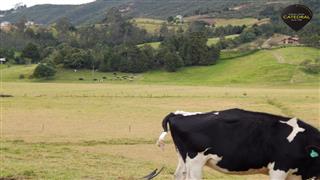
165,124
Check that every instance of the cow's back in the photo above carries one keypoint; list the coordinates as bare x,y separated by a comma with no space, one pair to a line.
244,139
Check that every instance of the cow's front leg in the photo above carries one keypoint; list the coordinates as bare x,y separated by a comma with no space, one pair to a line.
276,174
181,170
194,167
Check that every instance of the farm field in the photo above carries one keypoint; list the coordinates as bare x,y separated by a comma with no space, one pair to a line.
93,131
70,129
154,25
212,41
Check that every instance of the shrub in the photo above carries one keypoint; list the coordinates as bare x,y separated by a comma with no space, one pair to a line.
21,76
81,79
44,71
309,66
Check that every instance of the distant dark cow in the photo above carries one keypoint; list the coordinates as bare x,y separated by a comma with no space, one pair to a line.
236,141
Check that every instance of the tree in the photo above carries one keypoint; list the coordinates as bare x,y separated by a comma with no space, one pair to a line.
148,53
194,50
110,61
31,51
63,24
170,19
164,31
21,24
133,60
172,61
247,36
78,59
198,26
44,71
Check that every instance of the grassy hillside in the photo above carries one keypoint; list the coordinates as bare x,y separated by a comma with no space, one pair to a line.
212,41
153,25
78,14
262,67
265,67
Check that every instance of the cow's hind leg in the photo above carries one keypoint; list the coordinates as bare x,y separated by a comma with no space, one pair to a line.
181,170
194,166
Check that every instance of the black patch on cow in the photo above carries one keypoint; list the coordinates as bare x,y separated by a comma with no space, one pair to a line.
246,140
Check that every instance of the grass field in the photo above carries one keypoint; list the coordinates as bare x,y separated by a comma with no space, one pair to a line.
70,129
237,22
154,25
212,41
276,67
94,131
154,45
224,22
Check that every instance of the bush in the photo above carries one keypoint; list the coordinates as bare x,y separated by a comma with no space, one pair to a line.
81,79
309,66
21,76
172,61
44,71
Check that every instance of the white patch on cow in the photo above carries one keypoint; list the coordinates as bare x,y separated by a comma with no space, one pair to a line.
216,113
277,174
184,113
194,166
160,141
295,128
181,171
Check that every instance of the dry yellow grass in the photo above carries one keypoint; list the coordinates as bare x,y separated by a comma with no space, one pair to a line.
58,112
120,121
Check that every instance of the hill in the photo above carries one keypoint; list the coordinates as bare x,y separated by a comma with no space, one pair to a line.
78,14
256,68
93,12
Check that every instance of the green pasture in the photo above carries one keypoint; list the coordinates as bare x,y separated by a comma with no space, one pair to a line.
213,41
275,67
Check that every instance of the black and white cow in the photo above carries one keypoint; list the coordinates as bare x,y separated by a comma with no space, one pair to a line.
236,141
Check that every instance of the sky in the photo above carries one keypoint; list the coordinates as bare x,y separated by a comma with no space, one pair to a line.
8,4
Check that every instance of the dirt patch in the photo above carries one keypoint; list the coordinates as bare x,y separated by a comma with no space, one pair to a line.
278,57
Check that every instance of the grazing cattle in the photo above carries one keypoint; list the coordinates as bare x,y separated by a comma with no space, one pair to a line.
236,141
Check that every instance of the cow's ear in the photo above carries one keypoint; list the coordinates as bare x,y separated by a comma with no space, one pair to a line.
313,152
